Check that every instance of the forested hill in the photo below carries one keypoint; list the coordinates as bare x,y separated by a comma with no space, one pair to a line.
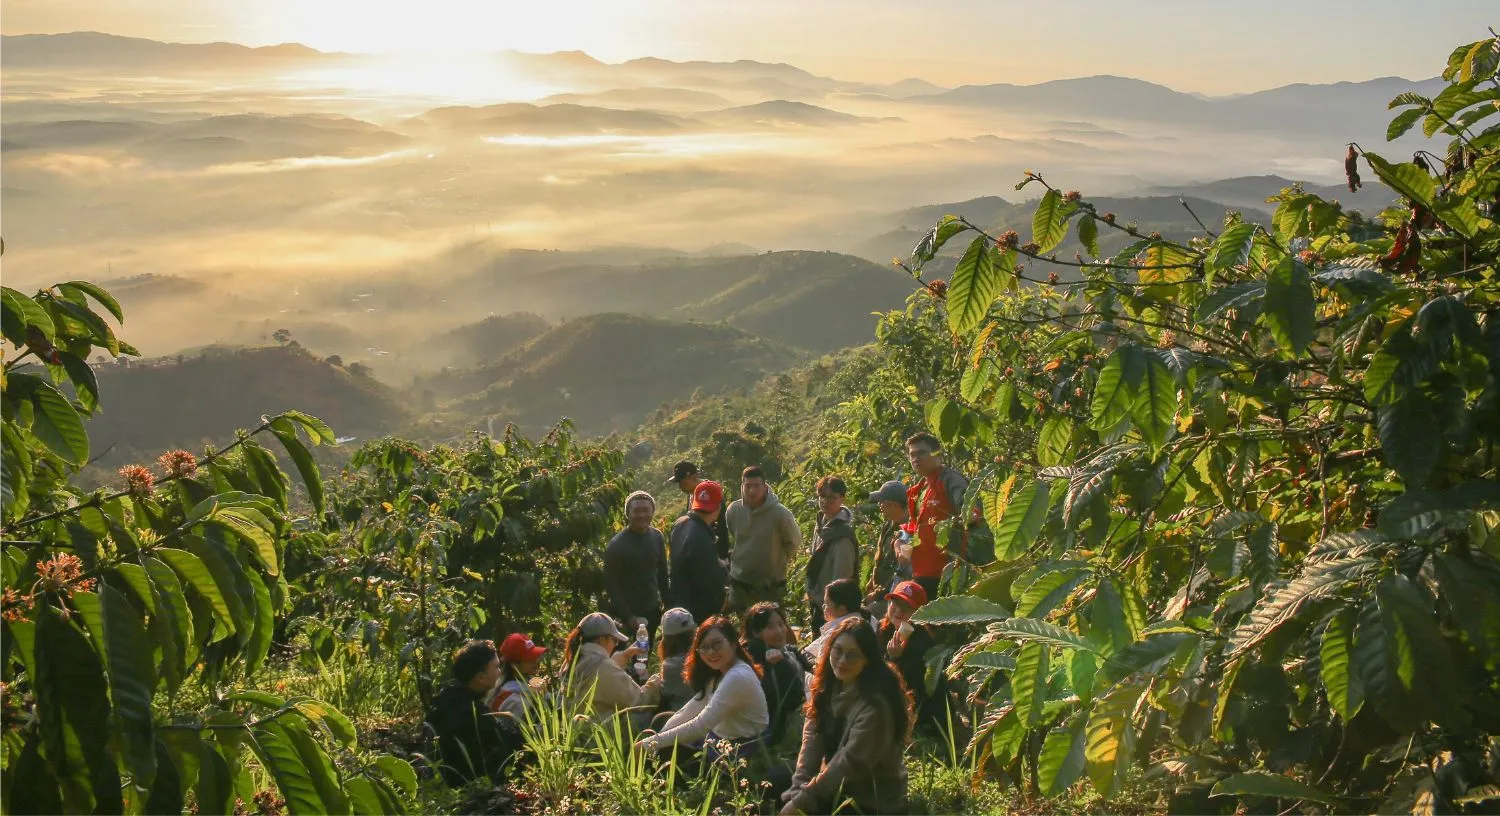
607,372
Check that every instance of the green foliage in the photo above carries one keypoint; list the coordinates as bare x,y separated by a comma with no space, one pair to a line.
1270,538
113,600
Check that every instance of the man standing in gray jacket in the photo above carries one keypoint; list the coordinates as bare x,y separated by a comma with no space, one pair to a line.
835,550
766,539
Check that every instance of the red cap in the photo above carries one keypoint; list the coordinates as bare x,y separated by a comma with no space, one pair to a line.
910,592
707,496
518,648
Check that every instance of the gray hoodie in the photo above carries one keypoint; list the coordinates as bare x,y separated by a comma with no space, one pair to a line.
835,552
765,541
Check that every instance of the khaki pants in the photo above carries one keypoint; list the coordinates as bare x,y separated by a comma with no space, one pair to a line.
742,596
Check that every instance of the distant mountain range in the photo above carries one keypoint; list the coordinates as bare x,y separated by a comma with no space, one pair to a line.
606,372
1090,98
208,140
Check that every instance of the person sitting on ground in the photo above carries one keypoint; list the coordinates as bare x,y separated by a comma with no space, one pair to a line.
892,546
835,549
594,663
698,577
840,603
519,658
768,639
635,567
856,731
906,645
728,705
766,539
677,631
471,743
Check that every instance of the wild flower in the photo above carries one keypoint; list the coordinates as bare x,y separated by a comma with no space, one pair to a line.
15,605
138,480
62,573
178,463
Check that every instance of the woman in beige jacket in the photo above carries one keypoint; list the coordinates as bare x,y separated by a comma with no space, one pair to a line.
855,736
594,663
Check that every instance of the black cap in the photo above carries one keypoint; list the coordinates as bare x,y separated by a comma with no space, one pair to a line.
682,470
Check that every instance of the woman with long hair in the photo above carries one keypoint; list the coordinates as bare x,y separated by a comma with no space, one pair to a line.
727,705
858,719
768,640
841,601
594,664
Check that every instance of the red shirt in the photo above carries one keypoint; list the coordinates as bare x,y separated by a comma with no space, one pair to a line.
927,502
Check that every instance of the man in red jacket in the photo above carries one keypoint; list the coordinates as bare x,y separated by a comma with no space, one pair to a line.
937,496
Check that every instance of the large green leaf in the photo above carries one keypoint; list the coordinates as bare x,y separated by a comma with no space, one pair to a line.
1025,515
1144,656
1028,630
263,625
1054,441
1088,234
73,710
1233,296
1155,407
1402,123
931,243
1406,437
55,421
1062,759
172,625
1049,590
977,280
332,720
400,772
256,530
1291,308
319,766
1406,178
1266,783
21,312
317,430
1049,224
1028,683
194,573
1110,738
1115,392
1287,601
960,609
1344,684
1231,249
94,291
132,681
278,753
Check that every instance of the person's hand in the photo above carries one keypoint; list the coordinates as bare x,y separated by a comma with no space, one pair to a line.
775,655
895,647
624,656
647,742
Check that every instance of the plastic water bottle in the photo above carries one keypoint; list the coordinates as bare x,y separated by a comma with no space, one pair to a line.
642,642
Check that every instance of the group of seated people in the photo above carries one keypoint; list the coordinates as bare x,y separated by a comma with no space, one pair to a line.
854,694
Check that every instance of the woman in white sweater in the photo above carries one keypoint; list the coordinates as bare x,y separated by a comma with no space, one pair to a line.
728,704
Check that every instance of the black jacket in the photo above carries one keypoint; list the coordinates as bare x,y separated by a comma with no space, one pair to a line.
635,574
471,743
927,708
698,579
782,683
721,531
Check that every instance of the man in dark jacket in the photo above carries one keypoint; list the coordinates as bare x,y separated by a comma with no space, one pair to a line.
698,578
687,478
892,547
471,742
835,550
635,567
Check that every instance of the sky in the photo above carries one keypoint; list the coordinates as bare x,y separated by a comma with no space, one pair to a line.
1207,46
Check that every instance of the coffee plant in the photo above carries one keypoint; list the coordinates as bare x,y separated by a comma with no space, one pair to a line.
1252,542
424,548
118,603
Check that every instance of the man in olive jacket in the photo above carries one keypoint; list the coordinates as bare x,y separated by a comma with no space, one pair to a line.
766,539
